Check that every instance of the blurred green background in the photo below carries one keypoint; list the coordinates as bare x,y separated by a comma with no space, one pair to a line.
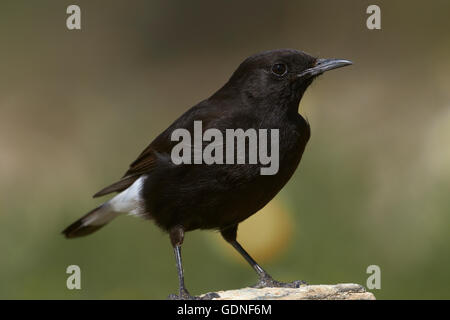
76,107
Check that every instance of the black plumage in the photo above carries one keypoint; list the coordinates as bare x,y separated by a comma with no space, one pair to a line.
263,93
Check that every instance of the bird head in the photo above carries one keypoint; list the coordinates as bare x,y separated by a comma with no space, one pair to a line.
280,76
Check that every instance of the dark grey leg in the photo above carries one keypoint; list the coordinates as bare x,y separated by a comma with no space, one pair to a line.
265,280
176,238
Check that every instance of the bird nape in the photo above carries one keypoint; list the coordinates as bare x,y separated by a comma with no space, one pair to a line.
183,186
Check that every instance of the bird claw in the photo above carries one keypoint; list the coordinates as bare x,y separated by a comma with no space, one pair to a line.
268,282
184,295
209,296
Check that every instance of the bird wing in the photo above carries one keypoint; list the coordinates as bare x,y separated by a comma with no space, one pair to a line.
163,144
143,164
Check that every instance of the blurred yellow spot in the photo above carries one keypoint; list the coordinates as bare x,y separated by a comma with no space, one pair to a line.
265,235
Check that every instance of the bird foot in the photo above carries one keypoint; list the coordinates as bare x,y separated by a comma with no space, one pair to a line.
184,295
268,282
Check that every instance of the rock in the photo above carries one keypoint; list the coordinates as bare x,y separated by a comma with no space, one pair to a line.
344,291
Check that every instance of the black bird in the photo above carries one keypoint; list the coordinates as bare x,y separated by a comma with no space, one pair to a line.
263,93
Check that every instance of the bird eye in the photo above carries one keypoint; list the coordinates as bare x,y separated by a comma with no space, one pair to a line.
279,69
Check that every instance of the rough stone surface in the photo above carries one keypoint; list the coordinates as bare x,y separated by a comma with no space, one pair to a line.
344,291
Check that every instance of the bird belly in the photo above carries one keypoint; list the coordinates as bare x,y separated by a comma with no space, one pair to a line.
216,196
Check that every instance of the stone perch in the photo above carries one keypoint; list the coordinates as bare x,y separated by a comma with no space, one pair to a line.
343,291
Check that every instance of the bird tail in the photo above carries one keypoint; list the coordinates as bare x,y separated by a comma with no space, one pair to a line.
91,222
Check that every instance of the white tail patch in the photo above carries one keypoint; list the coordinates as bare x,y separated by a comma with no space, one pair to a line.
130,200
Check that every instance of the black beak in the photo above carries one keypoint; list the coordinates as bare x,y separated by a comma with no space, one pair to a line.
323,65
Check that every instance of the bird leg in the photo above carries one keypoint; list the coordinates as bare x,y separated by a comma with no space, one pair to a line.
176,238
265,280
